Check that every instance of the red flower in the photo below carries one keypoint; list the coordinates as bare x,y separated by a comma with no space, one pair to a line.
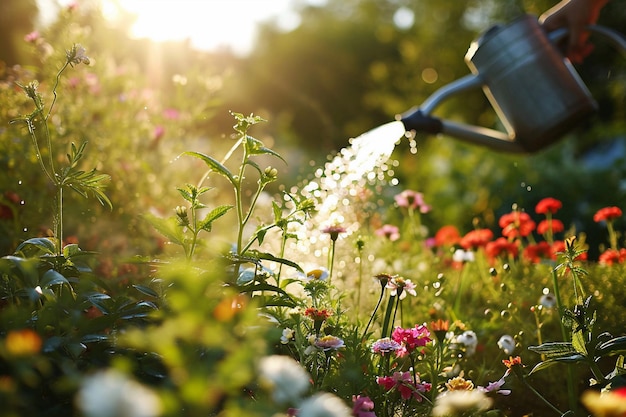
548,205
447,236
535,253
516,224
607,214
544,226
476,238
317,315
501,246
612,256
512,361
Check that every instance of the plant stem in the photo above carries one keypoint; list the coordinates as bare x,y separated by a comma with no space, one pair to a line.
59,225
571,394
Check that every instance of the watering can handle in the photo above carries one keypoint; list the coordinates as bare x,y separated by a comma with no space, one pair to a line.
616,38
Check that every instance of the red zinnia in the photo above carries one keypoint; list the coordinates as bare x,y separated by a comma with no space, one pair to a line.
516,224
612,256
447,236
548,205
476,238
501,246
607,214
535,253
544,226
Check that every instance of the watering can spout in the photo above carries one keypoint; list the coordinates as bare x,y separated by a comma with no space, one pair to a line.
417,120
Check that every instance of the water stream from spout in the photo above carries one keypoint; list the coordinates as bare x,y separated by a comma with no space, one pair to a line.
342,185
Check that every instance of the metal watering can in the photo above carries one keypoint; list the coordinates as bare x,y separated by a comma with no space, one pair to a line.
534,89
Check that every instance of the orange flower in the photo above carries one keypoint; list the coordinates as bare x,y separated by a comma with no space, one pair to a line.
317,315
447,236
23,342
512,361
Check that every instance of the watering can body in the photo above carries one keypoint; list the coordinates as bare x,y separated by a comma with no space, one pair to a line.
535,91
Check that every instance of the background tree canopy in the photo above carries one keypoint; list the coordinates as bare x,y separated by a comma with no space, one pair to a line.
352,65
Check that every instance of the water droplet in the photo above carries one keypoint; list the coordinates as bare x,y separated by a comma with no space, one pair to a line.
25,229
22,202
505,314
436,285
19,182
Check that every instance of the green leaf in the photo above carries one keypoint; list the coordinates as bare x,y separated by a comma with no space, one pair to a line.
52,277
612,347
214,165
167,227
94,338
185,194
146,290
269,257
578,342
576,358
554,349
278,212
213,215
36,247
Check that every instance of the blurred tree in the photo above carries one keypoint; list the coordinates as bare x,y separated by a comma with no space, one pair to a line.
17,18
352,65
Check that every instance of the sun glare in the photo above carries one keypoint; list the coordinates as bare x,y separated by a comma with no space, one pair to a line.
208,24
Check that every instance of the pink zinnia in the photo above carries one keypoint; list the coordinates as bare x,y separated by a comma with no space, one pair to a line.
411,339
389,231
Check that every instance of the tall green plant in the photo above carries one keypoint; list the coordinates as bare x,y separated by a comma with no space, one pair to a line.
70,176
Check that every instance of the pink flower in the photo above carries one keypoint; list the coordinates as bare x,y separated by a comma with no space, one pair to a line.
362,407
171,114
334,231
400,286
385,345
413,200
405,384
410,339
32,37
389,231
329,342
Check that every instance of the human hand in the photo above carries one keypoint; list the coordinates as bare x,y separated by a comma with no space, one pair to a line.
574,15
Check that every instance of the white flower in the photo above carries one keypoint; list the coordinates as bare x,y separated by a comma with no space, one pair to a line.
507,344
469,340
287,336
284,377
548,300
461,255
315,274
453,403
112,394
324,405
